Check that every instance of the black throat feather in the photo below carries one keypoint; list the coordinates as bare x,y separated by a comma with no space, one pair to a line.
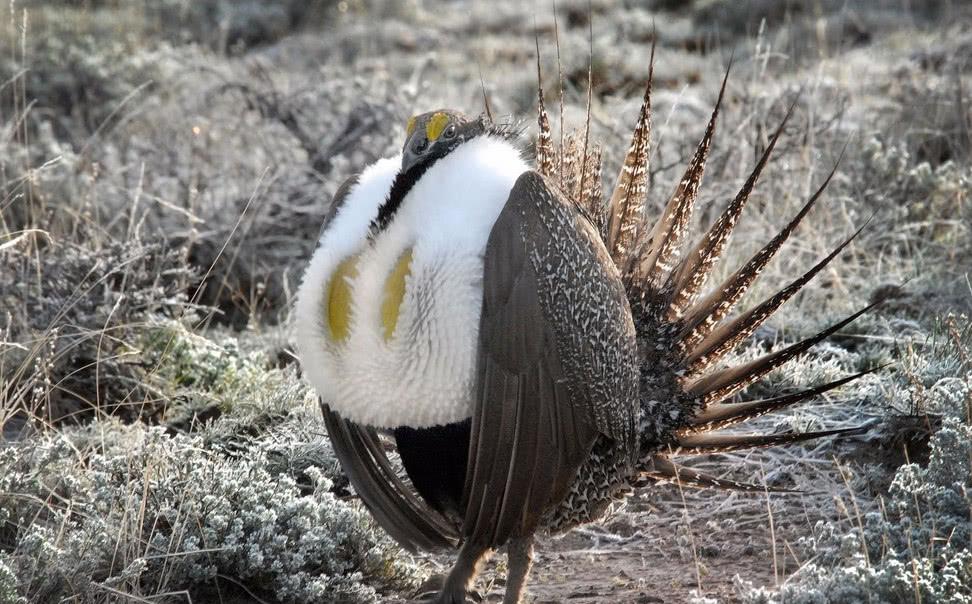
403,183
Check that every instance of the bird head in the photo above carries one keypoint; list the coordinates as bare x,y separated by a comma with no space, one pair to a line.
433,135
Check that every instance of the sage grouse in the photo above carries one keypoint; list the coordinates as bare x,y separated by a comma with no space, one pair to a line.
532,350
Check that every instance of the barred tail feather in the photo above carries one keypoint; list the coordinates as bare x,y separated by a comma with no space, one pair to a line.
731,333
724,415
658,251
703,444
724,383
686,281
569,162
545,152
662,469
626,206
560,84
704,315
591,195
582,186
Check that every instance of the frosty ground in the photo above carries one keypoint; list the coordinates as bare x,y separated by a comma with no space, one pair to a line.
164,171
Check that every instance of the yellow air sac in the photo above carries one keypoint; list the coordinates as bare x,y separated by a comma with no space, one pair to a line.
394,293
339,299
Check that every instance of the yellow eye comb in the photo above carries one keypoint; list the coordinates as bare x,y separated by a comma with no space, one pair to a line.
435,126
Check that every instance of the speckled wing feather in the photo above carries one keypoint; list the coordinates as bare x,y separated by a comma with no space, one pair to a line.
557,363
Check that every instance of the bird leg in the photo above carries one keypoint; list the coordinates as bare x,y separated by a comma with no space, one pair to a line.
460,579
519,559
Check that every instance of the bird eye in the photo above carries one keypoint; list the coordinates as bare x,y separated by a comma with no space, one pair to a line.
450,132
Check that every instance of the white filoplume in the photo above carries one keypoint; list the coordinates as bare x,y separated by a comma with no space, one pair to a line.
423,375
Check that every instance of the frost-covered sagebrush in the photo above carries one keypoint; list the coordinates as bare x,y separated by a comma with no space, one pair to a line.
75,315
250,496
917,547
114,507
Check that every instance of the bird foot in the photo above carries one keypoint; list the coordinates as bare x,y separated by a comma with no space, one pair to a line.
439,597
435,591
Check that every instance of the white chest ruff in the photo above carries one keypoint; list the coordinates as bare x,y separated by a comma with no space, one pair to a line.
423,374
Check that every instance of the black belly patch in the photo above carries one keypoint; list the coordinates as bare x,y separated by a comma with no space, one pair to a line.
435,459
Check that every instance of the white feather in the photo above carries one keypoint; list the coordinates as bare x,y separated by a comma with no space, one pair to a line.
424,375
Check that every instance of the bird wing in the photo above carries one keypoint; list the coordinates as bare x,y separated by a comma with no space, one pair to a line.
340,196
405,516
557,363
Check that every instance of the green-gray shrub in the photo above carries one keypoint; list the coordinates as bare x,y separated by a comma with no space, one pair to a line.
8,584
919,549
144,512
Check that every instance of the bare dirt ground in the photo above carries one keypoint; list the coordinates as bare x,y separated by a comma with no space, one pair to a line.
668,545
645,553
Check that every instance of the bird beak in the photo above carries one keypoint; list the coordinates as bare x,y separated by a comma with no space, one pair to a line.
410,159
416,148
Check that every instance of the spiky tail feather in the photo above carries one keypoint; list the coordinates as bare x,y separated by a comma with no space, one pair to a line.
682,335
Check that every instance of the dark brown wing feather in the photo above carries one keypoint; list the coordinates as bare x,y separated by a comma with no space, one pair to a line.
557,363
405,517
338,200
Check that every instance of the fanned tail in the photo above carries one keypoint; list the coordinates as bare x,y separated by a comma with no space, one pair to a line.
683,334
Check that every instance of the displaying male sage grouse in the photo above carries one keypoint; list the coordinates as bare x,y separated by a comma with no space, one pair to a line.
533,350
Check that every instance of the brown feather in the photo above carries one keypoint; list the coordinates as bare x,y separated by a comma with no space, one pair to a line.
569,158
560,80
545,151
587,123
626,206
686,281
726,382
728,335
704,315
707,443
663,470
724,415
591,201
659,251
